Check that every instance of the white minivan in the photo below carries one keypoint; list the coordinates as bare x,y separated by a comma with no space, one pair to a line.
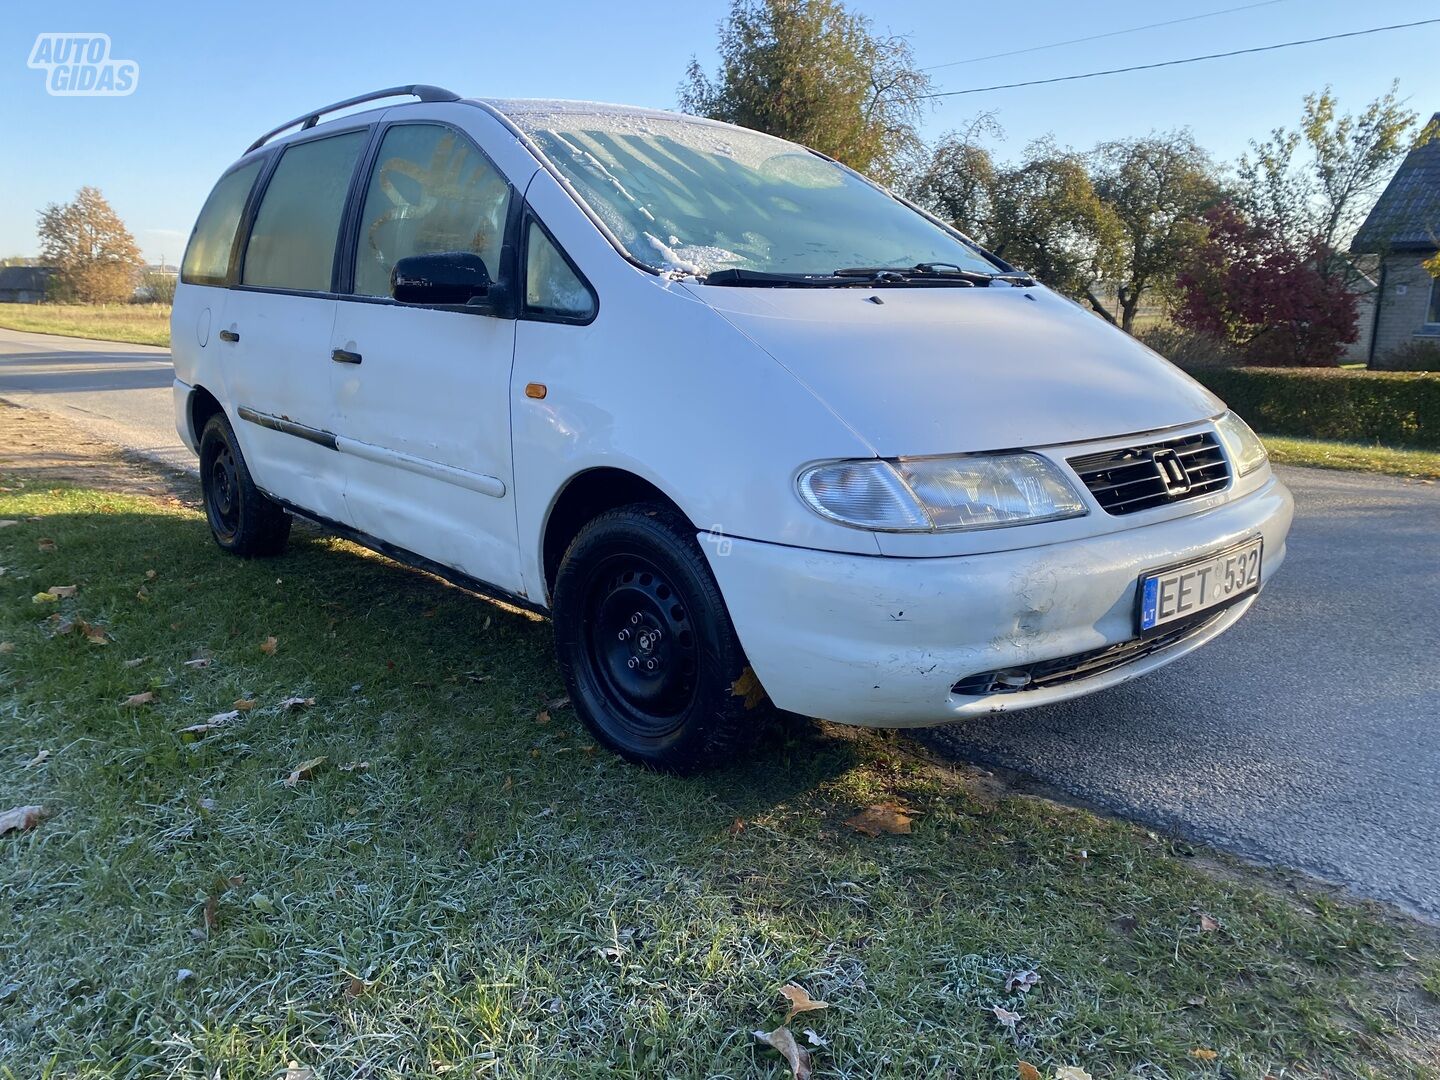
749,428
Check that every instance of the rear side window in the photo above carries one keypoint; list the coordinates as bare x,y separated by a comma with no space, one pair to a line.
551,286
432,190
292,243
207,259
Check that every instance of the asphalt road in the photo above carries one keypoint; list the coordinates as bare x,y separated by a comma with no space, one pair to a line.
1308,736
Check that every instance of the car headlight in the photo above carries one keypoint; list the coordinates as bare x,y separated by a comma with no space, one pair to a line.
1247,452
973,491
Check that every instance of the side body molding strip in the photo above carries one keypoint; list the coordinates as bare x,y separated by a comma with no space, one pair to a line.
478,482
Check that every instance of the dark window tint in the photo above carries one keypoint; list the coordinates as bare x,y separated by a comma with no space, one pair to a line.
207,259
431,190
551,286
292,244
1433,315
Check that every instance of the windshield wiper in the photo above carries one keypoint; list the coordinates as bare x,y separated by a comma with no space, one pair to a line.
932,271
766,280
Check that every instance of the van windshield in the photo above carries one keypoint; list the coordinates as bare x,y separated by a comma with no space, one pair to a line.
694,197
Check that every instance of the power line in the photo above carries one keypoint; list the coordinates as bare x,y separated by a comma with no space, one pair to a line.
1108,34
1186,60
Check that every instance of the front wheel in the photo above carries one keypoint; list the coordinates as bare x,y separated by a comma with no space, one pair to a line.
646,646
243,519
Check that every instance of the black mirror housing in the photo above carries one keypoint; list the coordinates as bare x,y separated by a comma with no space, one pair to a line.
442,277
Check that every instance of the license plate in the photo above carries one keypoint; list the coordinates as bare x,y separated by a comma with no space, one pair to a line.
1181,591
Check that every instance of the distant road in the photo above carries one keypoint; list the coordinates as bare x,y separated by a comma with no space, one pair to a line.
1307,736
120,392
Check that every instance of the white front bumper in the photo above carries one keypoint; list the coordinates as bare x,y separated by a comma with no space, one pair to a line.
880,641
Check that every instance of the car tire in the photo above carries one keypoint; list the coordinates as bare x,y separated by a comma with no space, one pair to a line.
646,646
243,519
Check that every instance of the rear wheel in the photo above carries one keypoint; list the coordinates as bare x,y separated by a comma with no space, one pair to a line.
243,520
646,646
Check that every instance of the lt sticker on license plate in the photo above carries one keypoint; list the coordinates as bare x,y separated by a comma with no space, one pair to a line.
1181,591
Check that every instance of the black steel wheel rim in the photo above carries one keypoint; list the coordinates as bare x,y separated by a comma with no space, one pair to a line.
224,492
640,645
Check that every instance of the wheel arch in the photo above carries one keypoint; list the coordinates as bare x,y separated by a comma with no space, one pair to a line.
203,405
584,496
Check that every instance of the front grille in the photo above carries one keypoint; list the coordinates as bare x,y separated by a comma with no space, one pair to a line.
1131,479
1084,665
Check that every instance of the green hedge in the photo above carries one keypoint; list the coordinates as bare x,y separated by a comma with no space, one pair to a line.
1393,408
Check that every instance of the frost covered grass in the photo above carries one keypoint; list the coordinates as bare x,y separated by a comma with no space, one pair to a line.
491,895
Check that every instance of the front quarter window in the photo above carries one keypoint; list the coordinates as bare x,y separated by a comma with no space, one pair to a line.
551,285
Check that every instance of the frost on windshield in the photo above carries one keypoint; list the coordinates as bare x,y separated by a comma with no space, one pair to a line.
689,196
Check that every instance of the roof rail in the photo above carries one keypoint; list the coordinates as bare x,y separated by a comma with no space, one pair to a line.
310,119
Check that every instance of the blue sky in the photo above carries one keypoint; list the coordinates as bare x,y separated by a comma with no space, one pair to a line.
213,76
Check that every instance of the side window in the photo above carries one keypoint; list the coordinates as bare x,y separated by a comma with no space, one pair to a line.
207,258
292,243
551,286
431,190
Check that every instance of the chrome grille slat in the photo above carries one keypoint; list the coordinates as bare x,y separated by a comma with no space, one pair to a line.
1126,481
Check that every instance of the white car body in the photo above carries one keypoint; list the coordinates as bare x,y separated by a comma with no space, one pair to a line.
436,449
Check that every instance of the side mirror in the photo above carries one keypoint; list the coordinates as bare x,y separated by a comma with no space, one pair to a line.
443,277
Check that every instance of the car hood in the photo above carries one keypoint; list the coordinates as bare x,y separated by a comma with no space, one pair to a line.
915,371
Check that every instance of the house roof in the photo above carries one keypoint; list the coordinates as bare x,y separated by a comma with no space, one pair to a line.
27,278
1407,216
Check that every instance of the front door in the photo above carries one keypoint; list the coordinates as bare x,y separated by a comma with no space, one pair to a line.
422,394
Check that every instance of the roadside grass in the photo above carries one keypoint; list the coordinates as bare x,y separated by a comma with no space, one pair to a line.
493,896
1320,454
141,324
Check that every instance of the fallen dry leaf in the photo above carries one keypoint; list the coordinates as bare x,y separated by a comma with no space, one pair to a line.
747,686
136,700
1072,1072
1202,1053
199,663
45,544
1208,923
7,647
355,987
7,523
142,594
1021,981
64,592
150,575
20,818
800,1000
355,766
543,716
136,662
96,635
269,645
1195,1002
211,913
219,720
44,598
244,704
39,759
1027,1071
304,771
796,1055
736,827
291,703
1006,1017
815,1040
296,1071
882,817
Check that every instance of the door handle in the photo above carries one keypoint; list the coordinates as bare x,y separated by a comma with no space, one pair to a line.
345,356
229,335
